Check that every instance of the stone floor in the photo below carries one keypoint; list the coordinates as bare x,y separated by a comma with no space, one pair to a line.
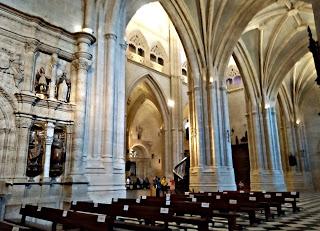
307,219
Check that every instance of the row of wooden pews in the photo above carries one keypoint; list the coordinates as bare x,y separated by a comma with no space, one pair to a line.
5,226
192,210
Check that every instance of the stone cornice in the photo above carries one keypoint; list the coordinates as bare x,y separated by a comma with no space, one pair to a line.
35,20
44,109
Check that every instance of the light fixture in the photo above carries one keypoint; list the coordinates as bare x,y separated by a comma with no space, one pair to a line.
298,121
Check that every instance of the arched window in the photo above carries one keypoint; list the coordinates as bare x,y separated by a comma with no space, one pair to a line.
184,72
153,57
160,61
141,52
132,48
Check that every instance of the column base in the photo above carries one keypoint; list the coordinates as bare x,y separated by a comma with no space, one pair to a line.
299,181
104,184
267,180
76,189
211,178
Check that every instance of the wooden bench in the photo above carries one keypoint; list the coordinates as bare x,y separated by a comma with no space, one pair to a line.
68,219
145,210
5,226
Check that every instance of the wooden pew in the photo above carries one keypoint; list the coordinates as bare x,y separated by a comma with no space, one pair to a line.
153,213
69,219
5,226
142,210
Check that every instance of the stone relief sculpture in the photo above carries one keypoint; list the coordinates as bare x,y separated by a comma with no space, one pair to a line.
63,88
11,65
58,154
35,151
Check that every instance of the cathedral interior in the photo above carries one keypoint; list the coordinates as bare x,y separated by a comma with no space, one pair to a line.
217,95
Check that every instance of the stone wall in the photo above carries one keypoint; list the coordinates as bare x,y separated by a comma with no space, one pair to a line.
60,13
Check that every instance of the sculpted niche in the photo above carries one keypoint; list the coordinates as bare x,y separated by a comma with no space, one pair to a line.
36,150
58,152
52,79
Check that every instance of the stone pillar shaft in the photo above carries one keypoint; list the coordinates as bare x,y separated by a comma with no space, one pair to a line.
265,158
81,64
110,43
120,131
49,140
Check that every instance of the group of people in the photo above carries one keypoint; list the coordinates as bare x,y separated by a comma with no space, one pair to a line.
161,186
134,182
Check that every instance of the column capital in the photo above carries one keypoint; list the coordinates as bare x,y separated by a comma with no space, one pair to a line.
110,36
81,64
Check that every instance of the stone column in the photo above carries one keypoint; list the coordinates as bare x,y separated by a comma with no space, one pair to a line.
265,159
31,48
81,65
24,123
52,85
49,139
176,96
176,120
120,132
221,155
108,134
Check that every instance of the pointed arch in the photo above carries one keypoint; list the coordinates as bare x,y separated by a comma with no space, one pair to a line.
158,93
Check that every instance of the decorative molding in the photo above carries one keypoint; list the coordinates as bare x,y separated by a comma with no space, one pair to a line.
24,121
11,63
31,45
81,64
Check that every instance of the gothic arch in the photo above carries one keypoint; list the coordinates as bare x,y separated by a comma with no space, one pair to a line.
161,104
156,90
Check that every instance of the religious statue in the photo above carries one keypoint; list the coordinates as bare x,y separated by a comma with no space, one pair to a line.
35,153
315,50
42,82
139,131
63,88
57,156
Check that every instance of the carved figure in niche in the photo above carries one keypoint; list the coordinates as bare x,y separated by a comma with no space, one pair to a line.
57,154
63,88
42,82
139,131
36,152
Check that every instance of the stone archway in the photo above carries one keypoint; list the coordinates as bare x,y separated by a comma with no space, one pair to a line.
147,123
